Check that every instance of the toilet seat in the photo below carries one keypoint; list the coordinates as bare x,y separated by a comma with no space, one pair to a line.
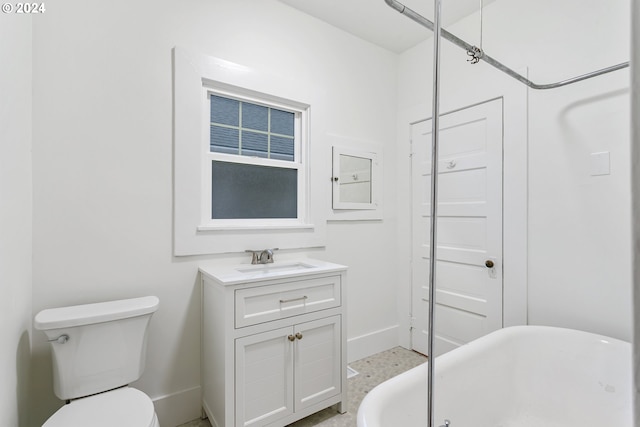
123,407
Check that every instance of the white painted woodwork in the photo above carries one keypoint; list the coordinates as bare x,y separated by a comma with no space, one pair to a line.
194,74
318,371
257,305
469,233
267,362
263,377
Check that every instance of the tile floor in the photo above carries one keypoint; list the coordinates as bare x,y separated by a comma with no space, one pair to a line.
371,371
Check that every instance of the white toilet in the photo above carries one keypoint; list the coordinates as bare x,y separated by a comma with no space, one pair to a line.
98,349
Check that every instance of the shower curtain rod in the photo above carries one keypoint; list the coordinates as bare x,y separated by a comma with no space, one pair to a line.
478,54
433,229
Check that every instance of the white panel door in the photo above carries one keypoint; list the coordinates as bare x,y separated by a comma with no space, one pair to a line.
468,289
317,372
264,377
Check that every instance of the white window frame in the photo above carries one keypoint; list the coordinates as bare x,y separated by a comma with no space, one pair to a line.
299,163
193,233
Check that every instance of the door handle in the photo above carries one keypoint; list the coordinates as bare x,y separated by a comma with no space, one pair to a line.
489,264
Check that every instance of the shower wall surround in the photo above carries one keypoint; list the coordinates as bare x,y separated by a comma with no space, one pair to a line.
578,235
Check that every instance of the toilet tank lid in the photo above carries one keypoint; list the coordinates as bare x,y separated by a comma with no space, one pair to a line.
86,314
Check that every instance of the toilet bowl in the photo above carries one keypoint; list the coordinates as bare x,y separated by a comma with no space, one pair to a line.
97,351
124,407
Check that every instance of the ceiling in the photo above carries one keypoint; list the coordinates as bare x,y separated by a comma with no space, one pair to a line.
375,21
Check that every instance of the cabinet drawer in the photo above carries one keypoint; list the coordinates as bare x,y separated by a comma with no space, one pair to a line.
272,302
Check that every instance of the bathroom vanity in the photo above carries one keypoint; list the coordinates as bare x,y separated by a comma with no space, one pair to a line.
273,341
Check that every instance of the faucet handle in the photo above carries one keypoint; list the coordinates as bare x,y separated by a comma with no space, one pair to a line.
254,255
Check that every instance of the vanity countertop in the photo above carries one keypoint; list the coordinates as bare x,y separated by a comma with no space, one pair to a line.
227,275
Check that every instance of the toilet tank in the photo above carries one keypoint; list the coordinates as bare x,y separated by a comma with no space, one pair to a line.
97,347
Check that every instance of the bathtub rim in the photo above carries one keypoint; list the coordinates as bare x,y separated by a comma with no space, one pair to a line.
372,405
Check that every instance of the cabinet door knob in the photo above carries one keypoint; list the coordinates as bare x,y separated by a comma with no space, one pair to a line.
488,263
291,338
299,335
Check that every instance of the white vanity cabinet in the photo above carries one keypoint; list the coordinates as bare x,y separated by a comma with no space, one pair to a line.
273,342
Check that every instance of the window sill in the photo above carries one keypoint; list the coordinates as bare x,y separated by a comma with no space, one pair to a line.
242,227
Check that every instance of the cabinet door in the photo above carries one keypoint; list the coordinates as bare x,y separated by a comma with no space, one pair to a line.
264,377
318,361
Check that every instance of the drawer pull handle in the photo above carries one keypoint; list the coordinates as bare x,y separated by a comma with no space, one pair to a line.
291,338
283,301
299,335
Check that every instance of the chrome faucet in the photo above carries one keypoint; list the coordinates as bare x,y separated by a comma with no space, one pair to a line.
264,256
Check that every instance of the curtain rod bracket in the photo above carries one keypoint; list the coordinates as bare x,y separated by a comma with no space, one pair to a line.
475,53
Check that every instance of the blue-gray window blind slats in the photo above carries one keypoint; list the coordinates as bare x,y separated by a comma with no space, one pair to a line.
255,144
224,140
225,111
239,127
255,117
282,148
282,122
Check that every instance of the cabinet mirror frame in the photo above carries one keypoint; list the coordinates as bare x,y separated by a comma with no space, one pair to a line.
356,179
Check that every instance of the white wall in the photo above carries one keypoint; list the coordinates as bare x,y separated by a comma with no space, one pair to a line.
15,217
635,188
103,167
578,233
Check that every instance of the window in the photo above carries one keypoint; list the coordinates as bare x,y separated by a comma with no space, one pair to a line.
242,166
254,170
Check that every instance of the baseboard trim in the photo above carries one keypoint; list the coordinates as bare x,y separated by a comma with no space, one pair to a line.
178,408
372,343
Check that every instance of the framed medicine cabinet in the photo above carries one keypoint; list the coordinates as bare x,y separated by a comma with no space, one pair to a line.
356,183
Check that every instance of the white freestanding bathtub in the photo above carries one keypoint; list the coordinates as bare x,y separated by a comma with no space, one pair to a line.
522,376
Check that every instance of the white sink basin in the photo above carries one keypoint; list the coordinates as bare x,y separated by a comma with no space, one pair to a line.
274,268
248,273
